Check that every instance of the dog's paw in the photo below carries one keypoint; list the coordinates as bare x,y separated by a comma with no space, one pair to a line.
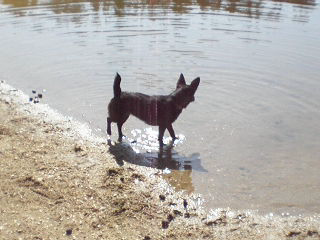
161,144
121,137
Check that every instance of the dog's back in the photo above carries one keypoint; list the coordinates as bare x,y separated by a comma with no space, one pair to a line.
153,110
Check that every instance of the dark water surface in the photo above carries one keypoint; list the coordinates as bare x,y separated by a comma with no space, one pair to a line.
251,140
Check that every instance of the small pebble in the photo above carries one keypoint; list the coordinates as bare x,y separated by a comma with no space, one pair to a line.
185,203
165,224
112,172
78,148
34,91
40,95
69,232
162,197
30,99
177,212
170,218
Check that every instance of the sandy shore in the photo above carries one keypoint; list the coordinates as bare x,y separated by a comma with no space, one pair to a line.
58,181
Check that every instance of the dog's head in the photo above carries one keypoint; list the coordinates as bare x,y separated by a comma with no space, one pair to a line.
184,94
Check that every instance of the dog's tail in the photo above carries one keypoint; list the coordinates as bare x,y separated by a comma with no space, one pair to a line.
116,86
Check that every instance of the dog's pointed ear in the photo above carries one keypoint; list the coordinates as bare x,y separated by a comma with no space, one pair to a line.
195,83
117,77
181,82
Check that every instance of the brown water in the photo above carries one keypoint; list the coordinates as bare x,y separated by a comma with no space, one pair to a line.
251,140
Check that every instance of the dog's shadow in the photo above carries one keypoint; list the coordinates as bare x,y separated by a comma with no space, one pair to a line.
164,158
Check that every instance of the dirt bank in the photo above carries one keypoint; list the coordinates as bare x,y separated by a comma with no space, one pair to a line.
59,182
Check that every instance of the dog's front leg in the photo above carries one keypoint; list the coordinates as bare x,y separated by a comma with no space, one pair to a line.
120,131
171,131
161,133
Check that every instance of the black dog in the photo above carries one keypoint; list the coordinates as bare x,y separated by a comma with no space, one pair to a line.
160,110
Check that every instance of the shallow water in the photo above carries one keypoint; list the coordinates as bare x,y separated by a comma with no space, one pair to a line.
251,138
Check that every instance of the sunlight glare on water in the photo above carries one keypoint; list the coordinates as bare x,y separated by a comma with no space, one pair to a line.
147,140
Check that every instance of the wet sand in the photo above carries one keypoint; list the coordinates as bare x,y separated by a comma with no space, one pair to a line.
59,181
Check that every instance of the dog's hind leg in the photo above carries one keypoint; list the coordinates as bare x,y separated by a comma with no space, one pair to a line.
109,125
120,131
171,131
161,133
119,124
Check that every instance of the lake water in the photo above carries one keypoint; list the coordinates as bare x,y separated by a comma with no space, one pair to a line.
251,139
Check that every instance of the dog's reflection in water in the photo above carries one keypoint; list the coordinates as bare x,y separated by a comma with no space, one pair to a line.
165,158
